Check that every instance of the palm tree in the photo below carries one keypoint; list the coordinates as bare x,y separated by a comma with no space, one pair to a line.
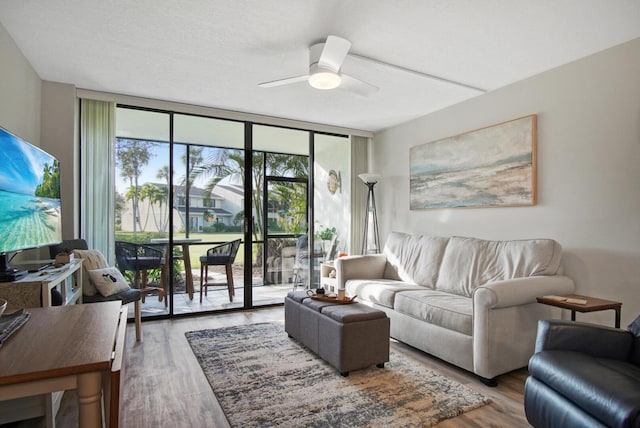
227,163
131,157
155,195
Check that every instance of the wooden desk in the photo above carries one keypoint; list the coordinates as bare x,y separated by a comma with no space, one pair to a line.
184,242
593,304
68,347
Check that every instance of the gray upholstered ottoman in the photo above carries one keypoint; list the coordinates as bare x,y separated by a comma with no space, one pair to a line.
349,337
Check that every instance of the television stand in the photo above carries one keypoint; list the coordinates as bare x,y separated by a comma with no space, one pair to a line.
34,266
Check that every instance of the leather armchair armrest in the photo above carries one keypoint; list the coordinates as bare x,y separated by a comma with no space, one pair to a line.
591,339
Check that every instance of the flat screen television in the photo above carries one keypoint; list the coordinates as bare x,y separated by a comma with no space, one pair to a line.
29,200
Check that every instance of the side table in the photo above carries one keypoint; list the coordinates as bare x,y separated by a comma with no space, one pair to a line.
329,283
593,304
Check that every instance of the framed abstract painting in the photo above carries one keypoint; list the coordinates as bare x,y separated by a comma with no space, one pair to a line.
489,167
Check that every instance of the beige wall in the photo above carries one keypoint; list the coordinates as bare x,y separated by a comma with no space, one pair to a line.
20,89
20,102
59,129
44,114
588,172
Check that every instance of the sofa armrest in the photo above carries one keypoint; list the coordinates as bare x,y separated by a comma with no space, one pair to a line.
591,339
520,291
370,266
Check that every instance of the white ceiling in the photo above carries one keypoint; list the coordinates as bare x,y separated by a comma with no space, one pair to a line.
214,52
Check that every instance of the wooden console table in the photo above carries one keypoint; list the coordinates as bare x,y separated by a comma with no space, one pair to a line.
34,289
69,347
593,304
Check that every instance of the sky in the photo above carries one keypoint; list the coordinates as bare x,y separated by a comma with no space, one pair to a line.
21,164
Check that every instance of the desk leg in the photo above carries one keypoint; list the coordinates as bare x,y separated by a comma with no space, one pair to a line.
617,317
187,268
89,400
573,315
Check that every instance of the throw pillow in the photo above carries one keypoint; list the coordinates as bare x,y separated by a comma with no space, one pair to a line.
91,260
108,281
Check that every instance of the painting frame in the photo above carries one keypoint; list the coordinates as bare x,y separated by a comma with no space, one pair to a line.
494,166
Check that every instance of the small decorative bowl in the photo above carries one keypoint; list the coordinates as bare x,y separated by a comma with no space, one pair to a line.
3,306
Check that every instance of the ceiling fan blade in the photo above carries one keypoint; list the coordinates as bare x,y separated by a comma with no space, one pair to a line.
282,82
334,52
357,86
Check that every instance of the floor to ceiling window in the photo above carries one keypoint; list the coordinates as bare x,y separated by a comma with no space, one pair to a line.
184,184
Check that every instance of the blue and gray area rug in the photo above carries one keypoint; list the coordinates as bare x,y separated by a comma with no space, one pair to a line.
262,378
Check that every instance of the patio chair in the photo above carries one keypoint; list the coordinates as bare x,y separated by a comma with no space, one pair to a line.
220,255
140,259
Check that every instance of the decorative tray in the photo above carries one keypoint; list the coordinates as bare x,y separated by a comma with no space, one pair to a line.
323,298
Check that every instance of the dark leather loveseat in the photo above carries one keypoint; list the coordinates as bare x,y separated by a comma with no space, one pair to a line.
584,375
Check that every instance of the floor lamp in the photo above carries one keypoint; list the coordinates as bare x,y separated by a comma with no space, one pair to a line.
371,237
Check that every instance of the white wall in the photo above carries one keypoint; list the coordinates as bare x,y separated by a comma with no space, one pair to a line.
331,210
588,172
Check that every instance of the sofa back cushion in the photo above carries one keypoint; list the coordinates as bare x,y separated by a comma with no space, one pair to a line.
469,263
414,259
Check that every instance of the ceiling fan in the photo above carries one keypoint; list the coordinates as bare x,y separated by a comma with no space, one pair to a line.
325,61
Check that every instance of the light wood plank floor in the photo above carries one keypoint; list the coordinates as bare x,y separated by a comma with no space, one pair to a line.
165,387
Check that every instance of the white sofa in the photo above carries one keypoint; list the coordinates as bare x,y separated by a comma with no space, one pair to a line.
467,301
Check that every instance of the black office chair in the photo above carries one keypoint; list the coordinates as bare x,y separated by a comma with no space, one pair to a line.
140,259
126,297
220,255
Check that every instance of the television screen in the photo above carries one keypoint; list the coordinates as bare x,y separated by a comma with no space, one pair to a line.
29,196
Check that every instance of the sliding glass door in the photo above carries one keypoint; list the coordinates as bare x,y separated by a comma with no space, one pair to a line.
187,185
208,211
281,175
142,154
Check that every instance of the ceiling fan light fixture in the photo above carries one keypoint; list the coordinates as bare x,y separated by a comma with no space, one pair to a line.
320,78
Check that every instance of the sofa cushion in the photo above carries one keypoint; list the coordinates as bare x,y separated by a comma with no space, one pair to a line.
446,310
469,263
606,388
414,258
380,291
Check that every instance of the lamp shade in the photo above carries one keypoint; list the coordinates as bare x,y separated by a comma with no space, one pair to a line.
369,177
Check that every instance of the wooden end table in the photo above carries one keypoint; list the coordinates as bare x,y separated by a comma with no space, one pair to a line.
593,304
